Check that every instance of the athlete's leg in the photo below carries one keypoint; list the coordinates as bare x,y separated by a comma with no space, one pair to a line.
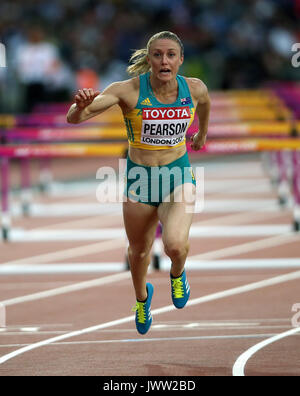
176,218
140,224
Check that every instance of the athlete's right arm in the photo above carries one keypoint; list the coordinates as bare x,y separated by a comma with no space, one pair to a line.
89,103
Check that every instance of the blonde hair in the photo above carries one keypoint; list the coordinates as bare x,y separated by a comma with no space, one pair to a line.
138,59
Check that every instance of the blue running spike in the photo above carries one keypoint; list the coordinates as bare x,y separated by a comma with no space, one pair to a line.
143,317
180,289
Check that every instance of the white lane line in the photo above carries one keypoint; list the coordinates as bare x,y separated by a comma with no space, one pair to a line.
6,332
248,247
70,253
239,366
31,285
168,308
122,341
28,332
67,289
246,288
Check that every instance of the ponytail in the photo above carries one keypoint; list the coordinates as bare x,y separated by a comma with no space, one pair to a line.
139,64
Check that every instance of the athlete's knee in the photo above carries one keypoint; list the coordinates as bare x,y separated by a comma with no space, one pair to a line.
138,252
176,247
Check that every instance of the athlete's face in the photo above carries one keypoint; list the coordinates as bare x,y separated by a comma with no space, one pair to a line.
165,59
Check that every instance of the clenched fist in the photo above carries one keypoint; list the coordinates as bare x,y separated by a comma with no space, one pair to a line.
198,141
84,97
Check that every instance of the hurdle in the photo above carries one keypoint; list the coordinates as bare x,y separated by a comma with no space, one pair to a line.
256,114
282,175
94,133
2,315
230,106
27,152
82,150
112,116
265,145
50,135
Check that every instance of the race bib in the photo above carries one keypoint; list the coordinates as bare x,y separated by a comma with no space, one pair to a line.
165,126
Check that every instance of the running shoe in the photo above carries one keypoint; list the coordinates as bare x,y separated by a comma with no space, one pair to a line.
180,289
143,317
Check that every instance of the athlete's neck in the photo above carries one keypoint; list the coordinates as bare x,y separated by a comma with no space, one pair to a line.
163,88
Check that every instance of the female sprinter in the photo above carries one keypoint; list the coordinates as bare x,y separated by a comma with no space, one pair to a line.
158,106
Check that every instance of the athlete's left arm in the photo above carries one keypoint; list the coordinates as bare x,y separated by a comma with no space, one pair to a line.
200,94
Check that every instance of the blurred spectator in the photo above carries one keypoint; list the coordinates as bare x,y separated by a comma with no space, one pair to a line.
38,66
228,43
87,78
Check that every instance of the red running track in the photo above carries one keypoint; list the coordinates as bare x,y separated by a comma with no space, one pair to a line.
66,297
